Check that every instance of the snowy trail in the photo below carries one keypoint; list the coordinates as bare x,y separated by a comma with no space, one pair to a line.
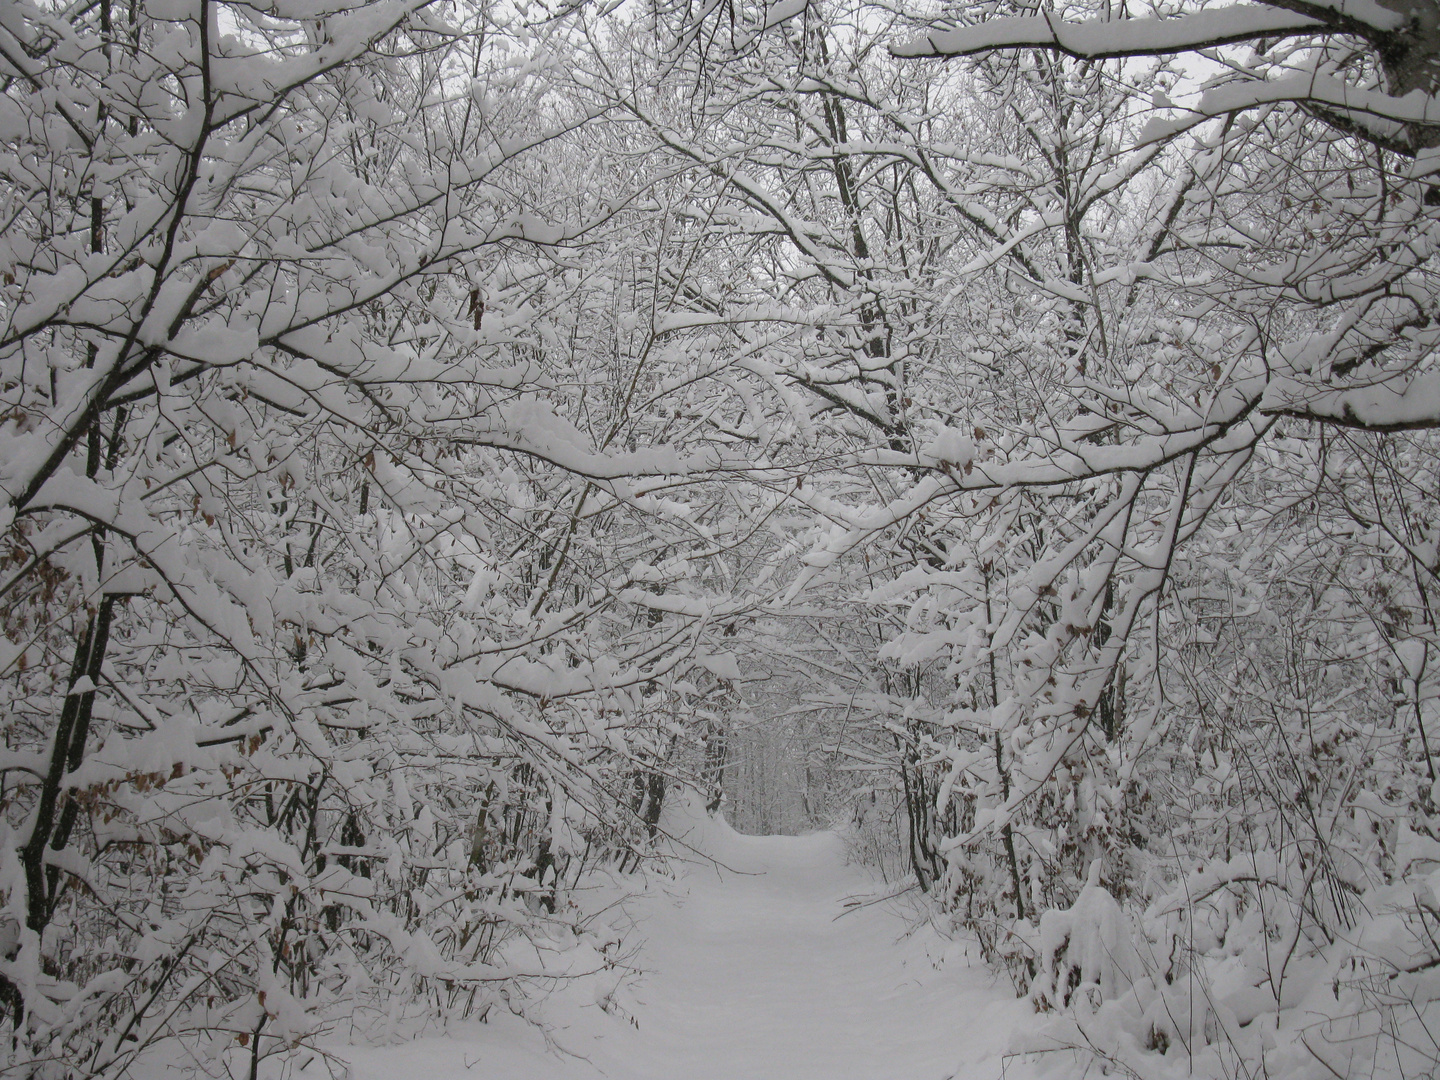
758,971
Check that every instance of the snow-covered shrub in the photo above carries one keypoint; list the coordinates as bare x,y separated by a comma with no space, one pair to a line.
1084,953
1213,991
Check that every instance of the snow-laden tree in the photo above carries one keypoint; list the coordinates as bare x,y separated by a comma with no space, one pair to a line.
1168,550
1100,330
342,526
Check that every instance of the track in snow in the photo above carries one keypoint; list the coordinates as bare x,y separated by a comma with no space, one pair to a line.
756,970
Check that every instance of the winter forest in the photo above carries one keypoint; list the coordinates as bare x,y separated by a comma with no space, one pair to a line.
448,445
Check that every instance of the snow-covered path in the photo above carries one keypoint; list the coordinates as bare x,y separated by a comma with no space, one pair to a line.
756,970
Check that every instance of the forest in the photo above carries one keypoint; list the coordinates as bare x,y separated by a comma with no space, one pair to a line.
433,432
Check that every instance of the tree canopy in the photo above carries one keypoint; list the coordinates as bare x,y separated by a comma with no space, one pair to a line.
429,433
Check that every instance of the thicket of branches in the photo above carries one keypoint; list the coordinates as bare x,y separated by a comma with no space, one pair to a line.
429,432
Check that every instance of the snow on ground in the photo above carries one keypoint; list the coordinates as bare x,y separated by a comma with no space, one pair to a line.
752,967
